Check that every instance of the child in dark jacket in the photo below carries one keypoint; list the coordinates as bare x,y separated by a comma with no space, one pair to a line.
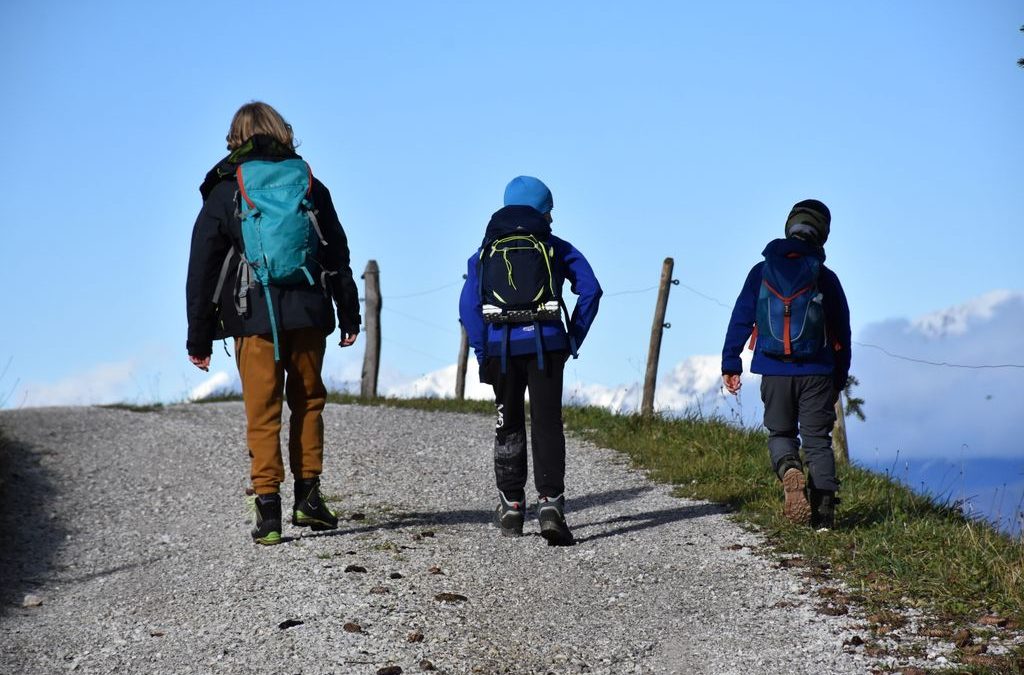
799,392
516,357
280,343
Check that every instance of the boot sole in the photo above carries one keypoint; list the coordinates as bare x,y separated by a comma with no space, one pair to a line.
315,525
796,509
513,530
556,535
272,539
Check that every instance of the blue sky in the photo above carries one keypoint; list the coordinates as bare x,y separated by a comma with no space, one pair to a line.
663,129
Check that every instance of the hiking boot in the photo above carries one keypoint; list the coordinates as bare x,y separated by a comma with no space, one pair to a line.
551,513
268,519
796,509
823,509
509,516
310,509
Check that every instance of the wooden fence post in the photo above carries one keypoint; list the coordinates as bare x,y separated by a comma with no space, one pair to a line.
657,328
460,372
371,360
839,441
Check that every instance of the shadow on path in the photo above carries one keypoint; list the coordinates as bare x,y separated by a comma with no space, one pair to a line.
626,523
31,536
642,521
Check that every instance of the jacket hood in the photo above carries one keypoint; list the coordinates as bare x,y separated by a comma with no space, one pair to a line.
258,147
782,247
511,219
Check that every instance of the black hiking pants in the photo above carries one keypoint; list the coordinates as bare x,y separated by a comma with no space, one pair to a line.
547,437
801,410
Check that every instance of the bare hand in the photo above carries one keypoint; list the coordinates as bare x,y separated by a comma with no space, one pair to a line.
348,339
732,383
200,363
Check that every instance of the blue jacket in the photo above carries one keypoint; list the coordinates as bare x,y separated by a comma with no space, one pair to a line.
829,361
486,339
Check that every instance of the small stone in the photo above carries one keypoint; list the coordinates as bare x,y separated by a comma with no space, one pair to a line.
157,633
355,568
427,533
435,570
395,575
415,636
352,627
380,590
426,665
962,638
390,670
450,597
290,623
32,600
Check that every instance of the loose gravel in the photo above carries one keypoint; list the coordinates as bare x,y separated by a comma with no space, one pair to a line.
130,532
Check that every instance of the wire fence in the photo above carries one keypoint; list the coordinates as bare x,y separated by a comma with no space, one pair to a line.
704,296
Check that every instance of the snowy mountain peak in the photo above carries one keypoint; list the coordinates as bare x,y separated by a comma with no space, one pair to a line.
957,319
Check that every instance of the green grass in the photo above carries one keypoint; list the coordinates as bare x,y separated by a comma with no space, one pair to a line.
131,407
892,546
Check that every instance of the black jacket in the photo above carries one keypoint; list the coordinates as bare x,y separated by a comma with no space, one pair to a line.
218,231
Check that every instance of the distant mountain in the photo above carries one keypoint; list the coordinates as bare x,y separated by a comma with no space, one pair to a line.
958,319
693,385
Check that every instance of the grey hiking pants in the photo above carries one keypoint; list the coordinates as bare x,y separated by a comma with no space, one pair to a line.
804,404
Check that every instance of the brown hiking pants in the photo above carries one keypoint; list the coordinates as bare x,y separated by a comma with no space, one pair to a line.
265,386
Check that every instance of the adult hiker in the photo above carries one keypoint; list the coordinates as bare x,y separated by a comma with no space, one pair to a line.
794,311
511,306
268,263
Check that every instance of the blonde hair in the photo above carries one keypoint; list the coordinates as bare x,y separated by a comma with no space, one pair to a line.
256,117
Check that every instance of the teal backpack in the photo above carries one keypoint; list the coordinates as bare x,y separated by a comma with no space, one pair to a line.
280,232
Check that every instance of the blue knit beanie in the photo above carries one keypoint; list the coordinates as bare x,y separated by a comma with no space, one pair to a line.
529,191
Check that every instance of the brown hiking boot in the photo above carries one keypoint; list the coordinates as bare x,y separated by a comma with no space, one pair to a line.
796,509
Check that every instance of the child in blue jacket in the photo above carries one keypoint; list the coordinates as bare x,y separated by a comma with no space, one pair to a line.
514,358
799,394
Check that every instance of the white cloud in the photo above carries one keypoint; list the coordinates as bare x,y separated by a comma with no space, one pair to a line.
919,410
104,383
216,382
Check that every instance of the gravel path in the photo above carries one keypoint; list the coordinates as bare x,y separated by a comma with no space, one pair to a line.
131,529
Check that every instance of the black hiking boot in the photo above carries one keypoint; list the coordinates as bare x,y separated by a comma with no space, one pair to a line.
823,509
794,486
310,509
268,520
551,513
509,516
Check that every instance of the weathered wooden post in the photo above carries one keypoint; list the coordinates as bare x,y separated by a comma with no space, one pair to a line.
839,441
657,328
371,360
460,371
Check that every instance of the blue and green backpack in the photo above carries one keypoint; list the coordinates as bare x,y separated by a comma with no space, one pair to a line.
280,232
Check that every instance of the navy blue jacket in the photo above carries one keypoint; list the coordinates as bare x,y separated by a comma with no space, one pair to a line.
486,339
829,361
